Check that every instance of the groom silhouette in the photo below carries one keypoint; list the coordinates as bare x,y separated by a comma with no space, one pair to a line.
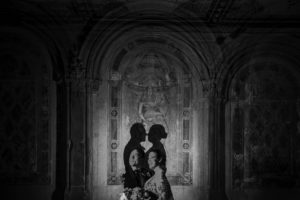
138,135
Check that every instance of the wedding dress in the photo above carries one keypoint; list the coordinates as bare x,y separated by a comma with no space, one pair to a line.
159,185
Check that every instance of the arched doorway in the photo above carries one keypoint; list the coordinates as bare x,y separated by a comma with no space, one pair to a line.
152,88
149,74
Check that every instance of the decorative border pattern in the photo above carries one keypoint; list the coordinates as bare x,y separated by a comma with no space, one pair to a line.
114,129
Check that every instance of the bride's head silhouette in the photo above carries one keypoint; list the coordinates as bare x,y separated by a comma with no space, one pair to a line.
156,133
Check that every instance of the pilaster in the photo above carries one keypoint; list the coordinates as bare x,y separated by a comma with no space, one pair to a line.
216,141
79,88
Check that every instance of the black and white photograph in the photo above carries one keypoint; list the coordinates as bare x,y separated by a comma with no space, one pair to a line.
150,99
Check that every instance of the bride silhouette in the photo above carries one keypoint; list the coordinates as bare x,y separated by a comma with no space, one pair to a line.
156,133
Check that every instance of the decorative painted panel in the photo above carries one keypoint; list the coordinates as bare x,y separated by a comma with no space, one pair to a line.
24,122
237,147
264,128
114,130
186,97
113,162
186,129
114,96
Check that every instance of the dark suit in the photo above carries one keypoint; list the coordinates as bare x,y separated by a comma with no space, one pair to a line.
130,146
136,178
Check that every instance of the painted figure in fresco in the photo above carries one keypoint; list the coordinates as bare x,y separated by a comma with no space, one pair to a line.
157,187
138,135
153,107
137,175
156,133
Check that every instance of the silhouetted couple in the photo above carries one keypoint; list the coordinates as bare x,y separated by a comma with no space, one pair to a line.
147,170
138,135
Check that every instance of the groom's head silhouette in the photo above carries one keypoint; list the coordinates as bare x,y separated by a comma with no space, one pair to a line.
138,132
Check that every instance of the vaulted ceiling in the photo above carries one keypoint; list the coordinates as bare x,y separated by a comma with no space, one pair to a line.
210,11
223,17
219,22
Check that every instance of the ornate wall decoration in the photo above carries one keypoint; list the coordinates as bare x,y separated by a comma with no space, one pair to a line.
264,129
24,122
153,107
153,83
114,129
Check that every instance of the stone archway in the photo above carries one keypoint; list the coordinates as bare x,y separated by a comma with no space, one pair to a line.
153,91
176,78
